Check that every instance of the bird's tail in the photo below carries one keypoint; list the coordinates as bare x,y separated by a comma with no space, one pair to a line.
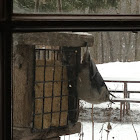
112,96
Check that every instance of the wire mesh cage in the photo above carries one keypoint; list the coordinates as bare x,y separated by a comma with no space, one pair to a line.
55,96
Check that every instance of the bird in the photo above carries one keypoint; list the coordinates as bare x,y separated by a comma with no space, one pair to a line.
90,84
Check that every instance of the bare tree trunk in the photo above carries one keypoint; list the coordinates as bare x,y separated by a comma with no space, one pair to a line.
95,50
110,46
128,6
102,47
137,48
137,7
121,46
127,36
129,47
36,9
125,47
59,3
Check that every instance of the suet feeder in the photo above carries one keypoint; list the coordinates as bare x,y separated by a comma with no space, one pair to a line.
45,68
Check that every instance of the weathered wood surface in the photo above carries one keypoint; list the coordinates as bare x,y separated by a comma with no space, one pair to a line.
23,70
67,39
26,134
23,85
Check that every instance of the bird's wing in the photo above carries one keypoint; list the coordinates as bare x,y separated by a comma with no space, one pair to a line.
93,69
95,77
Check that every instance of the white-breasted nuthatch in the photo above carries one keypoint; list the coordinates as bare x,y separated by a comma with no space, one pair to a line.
90,84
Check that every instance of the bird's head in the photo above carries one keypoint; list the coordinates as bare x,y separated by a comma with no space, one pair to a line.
86,58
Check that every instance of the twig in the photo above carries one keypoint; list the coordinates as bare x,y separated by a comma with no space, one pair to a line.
92,123
109,127
107,134
134,128
81,134
101,131
135,131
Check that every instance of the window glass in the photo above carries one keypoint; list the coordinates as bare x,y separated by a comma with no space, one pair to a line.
46,72
77,6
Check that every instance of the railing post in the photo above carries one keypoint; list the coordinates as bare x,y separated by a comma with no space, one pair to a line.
125,96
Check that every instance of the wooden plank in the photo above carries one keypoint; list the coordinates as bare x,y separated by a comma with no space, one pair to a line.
23,77
26,134
120,80
121,91
68,39
123,100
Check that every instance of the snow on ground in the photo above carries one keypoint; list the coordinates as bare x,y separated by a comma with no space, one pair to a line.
120,130
120,70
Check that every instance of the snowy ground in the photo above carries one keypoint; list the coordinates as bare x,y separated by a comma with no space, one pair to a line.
129,128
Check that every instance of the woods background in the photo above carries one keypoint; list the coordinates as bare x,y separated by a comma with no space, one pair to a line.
116,46
108,46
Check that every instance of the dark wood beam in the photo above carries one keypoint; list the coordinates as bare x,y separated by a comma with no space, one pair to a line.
44,22
5,69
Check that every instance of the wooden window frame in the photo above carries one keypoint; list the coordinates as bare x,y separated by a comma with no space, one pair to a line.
12,23
42,22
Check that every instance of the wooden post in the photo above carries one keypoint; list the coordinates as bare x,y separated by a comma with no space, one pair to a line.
121,104
23,75
128,96
125,96
92,123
